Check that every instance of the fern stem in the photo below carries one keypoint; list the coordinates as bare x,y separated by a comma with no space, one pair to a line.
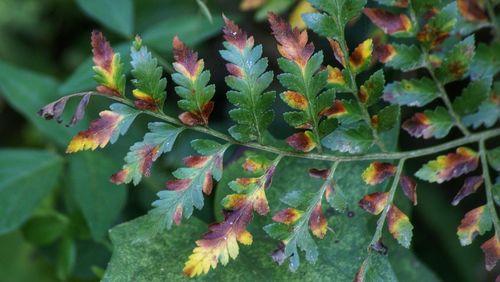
472,138
488,187
354,90
392,192
444,97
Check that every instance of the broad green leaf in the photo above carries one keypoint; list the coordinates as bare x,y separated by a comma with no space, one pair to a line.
99,200
457,61
28,92
117,15
66,258
414,92
406,57
45,227
472,96
26,177
192,32
351,139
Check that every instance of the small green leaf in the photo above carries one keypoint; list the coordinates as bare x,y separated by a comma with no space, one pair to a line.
406,58
26,178
351,139
472,96
457,61
437,123
371,90
387,118
414,92
117,15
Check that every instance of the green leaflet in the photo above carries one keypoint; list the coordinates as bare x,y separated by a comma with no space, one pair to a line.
249,81
488,112
486,62
431,123
191,182
371,90
142,154
414,92
437,29
456,63
356,138
26,178
387,118
340,12
406,58
472,96
148,81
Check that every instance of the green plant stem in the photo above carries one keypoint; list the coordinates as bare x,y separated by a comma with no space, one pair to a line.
392,192
444,97
488,187
354,90
474,137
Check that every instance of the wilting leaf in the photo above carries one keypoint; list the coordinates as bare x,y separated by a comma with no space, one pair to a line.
149,85
438,28
293,44
471,184
302,141
446,167
361,57
142,154
392,24
401,57
248,81
108,68
346,111
409,187
374,203
472,10
437,123
491,249
378,172
352,139
105,129
192,181
414,92
303,7
192,86
457,61
399,226
475,222
220,243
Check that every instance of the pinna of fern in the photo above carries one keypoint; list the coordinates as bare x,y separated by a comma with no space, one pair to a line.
347,125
